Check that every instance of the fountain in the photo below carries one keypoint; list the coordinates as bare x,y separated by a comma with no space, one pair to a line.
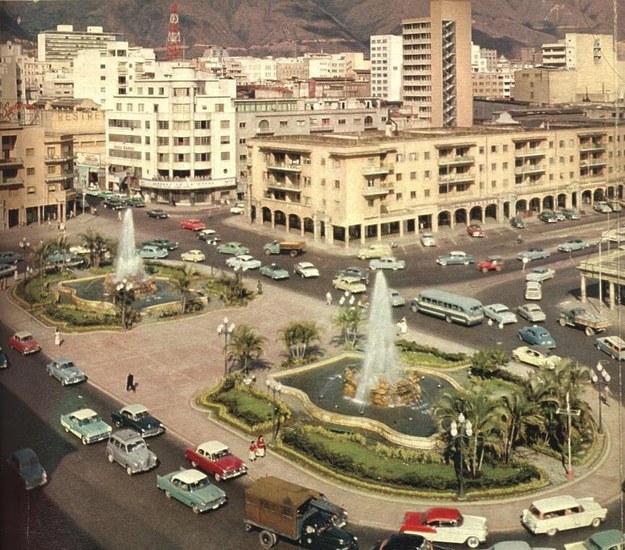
128,265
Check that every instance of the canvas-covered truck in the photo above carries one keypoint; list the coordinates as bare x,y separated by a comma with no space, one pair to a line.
281,509
583,319
292,248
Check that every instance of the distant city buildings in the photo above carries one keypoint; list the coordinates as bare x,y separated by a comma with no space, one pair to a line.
386,56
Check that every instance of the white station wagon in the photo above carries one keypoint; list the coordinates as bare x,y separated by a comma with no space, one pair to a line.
553,514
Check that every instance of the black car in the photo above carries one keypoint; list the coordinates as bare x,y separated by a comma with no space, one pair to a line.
135,202
138,418
27,466
161,243
403,541
360,273
4,361
517,222
114,204
157,213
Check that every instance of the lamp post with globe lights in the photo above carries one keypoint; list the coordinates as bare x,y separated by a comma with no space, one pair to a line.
225,329
124,300
460,430
276,389
601,378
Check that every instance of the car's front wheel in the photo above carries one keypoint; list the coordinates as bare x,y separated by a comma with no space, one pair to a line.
168,494
595,522
84,440
217,477
110,458
195,509
473,542
129,470
552,532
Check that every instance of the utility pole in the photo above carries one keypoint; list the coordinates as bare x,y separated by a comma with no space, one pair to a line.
569,412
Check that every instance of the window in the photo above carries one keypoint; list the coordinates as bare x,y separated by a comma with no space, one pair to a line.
30,152
505,148
224,140
219,107
427,174
225,155
224,124
426,193
241,124
413,175
413,156
413,194
398,196
481,150
202,124
147,124
493,148
337,184
504,166
31,190
398,177
30,171
163,125
163,141
493,167
426,155
342,121
50,152
399,158
283,124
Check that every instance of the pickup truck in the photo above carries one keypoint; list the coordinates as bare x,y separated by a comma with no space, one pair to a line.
292,248
281,509
583,319
610,539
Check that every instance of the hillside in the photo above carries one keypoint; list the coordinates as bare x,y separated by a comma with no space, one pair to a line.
292,27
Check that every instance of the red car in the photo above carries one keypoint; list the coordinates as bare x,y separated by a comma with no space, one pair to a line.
24,342
446,525
192,224
216,459
475,230
492,263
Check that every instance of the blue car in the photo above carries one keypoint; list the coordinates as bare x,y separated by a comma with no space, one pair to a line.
537,336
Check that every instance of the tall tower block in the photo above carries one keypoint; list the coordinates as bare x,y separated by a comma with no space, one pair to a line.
174,45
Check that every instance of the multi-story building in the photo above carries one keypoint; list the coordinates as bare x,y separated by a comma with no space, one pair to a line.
437,65
357,187
386,56
173,136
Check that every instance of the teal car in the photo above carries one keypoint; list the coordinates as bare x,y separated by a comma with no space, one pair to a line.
233,248
87,425
65,371
192,488
274,271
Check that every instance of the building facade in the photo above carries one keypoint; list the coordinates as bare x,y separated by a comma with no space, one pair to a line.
386,54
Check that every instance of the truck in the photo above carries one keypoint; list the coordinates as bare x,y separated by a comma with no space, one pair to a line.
583,319
279,509
610,539
292,248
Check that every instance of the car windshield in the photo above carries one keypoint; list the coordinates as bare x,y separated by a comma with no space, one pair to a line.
135,446
66,365
88,420
221,454
141,414
26,338
199,484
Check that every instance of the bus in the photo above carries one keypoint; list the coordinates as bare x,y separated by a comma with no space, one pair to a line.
454,308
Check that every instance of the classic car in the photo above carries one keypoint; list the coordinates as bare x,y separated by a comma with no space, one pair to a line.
475,230
548,216
403,541
87,425
305,270
499,313
192,488
4,361
396,298
114,203
537,336
274,271
157,213
24,342
65,371
427,239
215,458
552,514
161,243
79,250
130,451
27,466
387,262
534,253
136,202
517,222
150,252
534,357
540,274
610,539
514,545
237,208
533,290
243,262
492,263
455,257
234,248
193,256
349,284
208,235
192,224
7,270
532,312
614,346
8,257
573,244
570,213
138,418
446,525
360,273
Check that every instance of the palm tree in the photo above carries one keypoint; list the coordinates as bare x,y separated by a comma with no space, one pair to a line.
39,254
246,345
97,244
520,412
297,337
348,320
182,284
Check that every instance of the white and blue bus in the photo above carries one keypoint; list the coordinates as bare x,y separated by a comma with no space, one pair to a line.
454,308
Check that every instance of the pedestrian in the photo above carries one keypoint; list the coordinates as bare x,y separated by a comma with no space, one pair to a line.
119,215
260,446
57,337
252,450
130,383
259,287
404,325
328,298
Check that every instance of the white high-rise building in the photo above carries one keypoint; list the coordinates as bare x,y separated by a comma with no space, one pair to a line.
386,66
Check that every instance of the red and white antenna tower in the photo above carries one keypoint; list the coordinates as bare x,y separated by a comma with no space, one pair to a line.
174,46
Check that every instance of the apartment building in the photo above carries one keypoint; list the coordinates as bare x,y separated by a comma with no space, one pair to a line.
386,56
368,187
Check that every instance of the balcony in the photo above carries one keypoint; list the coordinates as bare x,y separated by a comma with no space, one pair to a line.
456,178
188,184
52,178
285,167
11,162
11,182
58,160
530,152
592,162
457,160
371,171
284,186
590,147
376,191
529,169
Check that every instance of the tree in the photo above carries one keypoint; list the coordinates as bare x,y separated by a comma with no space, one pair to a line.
297,337
520,412
348,320
182,284
246,345
485,363
39,254
98,246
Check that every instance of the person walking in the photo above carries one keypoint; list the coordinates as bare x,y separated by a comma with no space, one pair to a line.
119,215
57,337
252,451
260,446
328,298
259,287
130,383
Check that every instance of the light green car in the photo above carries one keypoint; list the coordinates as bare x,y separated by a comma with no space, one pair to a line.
87,425
192,488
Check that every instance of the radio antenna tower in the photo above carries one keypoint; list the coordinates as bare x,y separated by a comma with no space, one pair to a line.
174,46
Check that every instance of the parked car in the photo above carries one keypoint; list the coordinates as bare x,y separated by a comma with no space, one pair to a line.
492,263
65,371
397,299
537,336
615,205
517,222
26,465
305,270
514,545
274,271
475,230
192,488
350,284
234,248
237,208
216,459
534,253
559,513
540,274
138,418
534,357
161,243
9,257
387,262
360,273
192,224
4,360
610,539
573,244
446,525
602,207
499,313
149,252
7,270
136,202
376,250
243,262
532,312
114,203
194,255
130,451
533,290
23,342
427,239
570,214
157,213
548,216
403,541
208,235
456,257
87,425
614,346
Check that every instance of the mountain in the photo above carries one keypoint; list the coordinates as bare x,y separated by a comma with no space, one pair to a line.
294,27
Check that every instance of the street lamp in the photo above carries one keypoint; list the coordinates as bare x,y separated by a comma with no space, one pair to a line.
459,431
499,326
225,329
276,388
124,298
601,377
